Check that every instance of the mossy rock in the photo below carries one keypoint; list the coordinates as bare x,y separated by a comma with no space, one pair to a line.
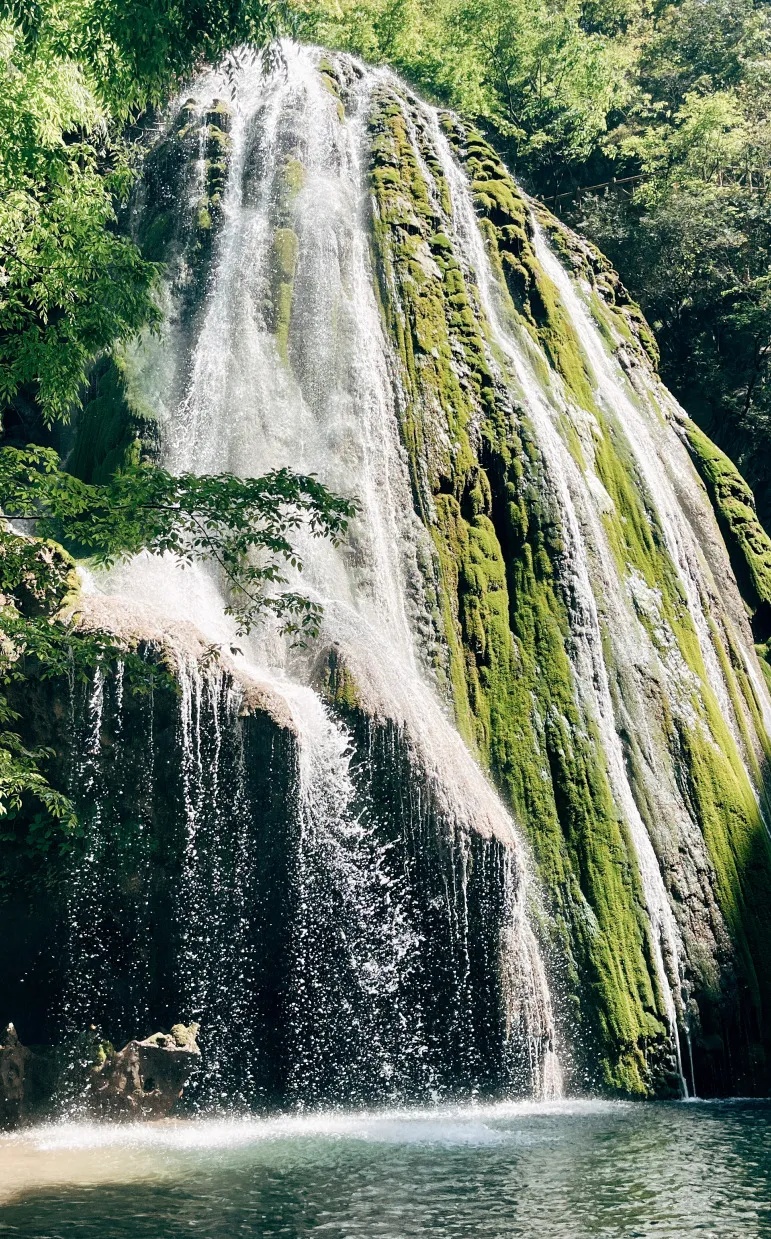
114,426
293,176
183,239
476,481
748,544
283,261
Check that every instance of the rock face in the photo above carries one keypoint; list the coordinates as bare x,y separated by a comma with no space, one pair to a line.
14,1058
146,1078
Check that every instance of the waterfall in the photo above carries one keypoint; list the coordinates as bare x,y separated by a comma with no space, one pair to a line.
352,904
588,659
107,888
217,965
235,394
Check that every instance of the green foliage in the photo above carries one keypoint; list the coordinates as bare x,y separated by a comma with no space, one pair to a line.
693,237
531,70
69,284
73,72
37,581
665,109
244,524
134,53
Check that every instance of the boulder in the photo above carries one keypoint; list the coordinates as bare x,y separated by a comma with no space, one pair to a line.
146,1078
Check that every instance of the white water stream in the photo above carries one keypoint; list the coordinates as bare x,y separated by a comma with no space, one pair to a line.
229,401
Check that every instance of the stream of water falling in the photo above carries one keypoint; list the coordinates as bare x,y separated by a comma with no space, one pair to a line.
229,401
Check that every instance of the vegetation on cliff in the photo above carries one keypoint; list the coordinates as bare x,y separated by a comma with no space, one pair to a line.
504,613
482,484
646,127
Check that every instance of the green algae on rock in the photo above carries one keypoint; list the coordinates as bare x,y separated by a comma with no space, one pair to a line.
480,484
505,623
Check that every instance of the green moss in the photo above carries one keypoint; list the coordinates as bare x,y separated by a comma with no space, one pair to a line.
508,230
293,177
428,326
549,763
174,174
478,484
284,253
508,233
338,684
330,80
748,544
114,426
764,654
612,301
171,171
157,235
719,793
738,846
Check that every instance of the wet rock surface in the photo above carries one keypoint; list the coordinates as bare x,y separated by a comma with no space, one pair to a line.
146,1078
14,1058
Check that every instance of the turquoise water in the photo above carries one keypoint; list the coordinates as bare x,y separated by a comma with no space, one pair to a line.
559,1171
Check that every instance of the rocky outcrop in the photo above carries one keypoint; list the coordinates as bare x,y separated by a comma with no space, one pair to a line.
14,1058
749,546
146,1078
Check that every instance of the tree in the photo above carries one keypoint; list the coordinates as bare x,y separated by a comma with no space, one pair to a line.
693,238
530,70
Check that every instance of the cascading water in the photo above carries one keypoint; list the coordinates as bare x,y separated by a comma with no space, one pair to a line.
217,966
351,904
237,395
